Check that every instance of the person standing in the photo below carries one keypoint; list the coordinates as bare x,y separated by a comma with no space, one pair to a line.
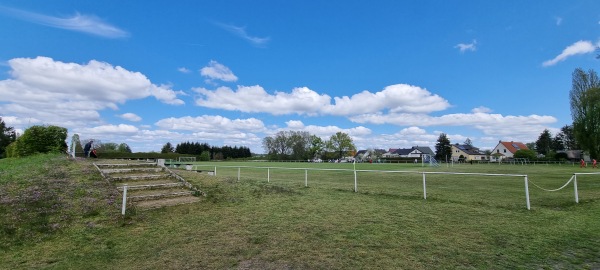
582,163
594,165
87,148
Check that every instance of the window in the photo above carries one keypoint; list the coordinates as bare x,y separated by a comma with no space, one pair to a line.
504,150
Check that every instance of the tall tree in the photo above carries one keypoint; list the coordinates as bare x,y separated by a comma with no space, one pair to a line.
316,146
167,148
288,145
543,145
585,110
468,142
7,136
341,143
567,138
443,149
124,148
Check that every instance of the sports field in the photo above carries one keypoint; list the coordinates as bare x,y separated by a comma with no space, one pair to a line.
498,185
270,219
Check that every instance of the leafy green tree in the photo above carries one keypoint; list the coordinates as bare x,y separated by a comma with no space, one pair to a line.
525,153
7,136
468,142
108,147
124,148
40,139
288,145
567,139
585,110
316,146
277,147
557,143
205,156
167,148
341,143
543,145
443,148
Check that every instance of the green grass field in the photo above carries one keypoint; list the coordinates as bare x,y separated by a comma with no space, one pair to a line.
467,221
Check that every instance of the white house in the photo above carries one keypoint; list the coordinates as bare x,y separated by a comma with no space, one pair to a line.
507,150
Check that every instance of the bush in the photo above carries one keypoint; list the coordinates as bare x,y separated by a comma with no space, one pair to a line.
526,153
205,156
39,139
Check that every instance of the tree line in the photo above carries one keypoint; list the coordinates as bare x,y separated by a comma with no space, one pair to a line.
301,145
207,152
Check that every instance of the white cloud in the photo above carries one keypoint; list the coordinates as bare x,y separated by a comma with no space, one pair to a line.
395,98
413,131
405,138
166,95
183,70
212,124
71,94
218,71
463,47
322,131
241,32
489,124
80,23
120,129
131,117
579,47
481,109
255,99
558,20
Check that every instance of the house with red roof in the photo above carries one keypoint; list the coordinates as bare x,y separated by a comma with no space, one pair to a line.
506,150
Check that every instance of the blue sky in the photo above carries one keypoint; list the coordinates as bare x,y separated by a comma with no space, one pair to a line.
391,74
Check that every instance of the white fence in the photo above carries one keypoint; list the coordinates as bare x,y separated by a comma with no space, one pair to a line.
424,174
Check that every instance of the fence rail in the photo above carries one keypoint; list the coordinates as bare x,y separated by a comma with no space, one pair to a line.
355,173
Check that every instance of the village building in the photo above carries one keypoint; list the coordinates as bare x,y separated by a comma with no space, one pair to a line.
465,152
505,150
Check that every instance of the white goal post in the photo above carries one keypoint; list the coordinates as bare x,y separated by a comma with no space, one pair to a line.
187,159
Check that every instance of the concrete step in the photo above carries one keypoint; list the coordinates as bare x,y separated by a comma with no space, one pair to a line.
125,165
147,182
151,186
131,170
138,177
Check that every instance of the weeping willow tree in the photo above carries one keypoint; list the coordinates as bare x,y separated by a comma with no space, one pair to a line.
585,110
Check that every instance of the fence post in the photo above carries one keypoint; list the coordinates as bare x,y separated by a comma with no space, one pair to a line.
527,193
124,199
268,175
424,187
575,187
355,182
305,178
239,169
215,170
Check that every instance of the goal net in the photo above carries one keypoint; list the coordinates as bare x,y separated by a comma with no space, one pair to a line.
431,160
187,159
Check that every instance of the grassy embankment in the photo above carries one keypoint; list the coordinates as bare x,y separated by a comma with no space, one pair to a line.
60,214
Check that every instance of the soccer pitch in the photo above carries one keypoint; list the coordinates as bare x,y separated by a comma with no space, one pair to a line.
499,185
